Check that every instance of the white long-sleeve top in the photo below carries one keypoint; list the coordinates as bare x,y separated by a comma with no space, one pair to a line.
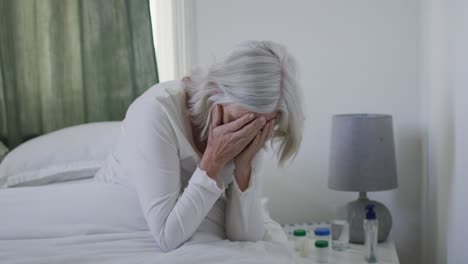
156,156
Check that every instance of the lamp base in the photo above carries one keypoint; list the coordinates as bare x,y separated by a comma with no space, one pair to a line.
356,213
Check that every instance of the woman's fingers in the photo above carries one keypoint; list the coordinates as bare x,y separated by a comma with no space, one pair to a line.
265,131
265,134
272,129
240,122
257,140
254,126
249,131
216,116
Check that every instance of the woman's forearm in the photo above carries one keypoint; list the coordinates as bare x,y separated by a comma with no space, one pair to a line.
242,176
211,166
174,218
244,213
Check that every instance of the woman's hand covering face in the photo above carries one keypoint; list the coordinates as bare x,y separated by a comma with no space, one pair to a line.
226,141
246,156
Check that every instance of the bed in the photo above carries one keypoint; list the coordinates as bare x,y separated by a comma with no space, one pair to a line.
52,211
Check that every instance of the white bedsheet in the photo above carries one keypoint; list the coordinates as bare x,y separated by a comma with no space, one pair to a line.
89,222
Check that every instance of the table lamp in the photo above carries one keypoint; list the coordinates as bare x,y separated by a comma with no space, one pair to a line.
362,159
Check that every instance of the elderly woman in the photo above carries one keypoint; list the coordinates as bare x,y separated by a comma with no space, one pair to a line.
192,148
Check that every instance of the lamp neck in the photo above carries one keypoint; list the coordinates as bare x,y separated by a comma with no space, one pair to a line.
362,196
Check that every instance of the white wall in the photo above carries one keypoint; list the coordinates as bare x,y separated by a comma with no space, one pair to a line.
355,56
457,251
458,214
445,108
438,123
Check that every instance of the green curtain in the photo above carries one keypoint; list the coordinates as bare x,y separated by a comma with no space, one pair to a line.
66,62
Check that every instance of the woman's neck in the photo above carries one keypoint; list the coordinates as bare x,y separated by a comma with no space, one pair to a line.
200,145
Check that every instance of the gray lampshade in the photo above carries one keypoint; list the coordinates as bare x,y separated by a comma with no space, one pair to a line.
362,154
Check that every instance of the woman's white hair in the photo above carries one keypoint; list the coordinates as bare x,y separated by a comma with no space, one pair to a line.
260,76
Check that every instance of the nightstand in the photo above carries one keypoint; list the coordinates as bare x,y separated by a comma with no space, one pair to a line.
353,255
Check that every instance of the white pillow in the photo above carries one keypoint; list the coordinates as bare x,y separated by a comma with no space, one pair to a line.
67,154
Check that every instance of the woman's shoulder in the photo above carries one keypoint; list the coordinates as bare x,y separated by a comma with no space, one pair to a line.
159,109
163,98
164,90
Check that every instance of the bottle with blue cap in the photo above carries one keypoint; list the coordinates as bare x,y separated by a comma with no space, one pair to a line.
323,233
371,227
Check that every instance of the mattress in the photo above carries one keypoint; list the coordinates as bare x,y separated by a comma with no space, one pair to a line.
91,222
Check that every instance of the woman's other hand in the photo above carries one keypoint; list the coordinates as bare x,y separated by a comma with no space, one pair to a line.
246,156
225,142
243,161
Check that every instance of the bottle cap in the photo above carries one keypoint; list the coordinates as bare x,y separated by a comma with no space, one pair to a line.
370,215
321,244
322,231
299,232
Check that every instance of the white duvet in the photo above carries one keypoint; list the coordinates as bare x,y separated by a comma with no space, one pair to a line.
89,222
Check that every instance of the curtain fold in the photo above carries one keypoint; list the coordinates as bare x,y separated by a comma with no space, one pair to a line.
174,36
66,62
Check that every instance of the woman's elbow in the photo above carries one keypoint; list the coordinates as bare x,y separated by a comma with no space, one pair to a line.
166,246
256,236
166,243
